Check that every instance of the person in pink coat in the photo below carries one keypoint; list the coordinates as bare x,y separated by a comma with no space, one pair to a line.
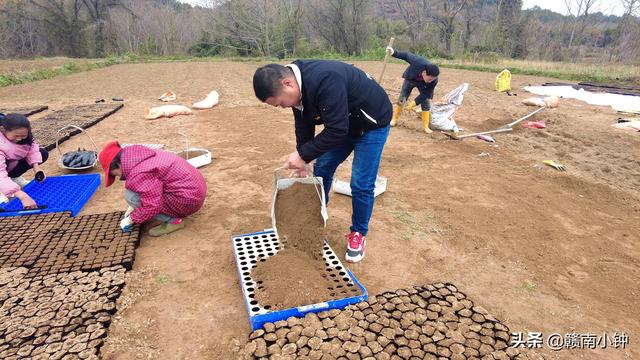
158,185
19,152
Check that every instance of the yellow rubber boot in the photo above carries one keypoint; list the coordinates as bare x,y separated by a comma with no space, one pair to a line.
410,105
396,114
426,119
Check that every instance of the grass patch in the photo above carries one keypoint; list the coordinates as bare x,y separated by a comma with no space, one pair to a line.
164,279
529,286
607,73
615,73
70,67
413,228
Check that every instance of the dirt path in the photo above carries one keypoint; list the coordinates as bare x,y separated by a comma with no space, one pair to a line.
542,250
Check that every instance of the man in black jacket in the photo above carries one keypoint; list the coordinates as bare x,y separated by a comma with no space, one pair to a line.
421,74
355,112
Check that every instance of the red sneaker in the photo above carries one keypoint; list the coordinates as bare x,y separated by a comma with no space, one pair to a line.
355,247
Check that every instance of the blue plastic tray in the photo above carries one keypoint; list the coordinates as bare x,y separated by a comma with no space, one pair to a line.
250,248
57,194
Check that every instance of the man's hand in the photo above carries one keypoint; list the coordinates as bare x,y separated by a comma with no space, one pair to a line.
126,224
27,201
390,50
294,162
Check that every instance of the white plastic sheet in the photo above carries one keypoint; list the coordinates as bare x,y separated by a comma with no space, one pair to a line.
623,103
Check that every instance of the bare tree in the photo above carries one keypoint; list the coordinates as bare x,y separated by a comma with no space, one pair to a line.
20,34
341,23
579,10
64,19
293,14
631,7
473,18
445,18
99,11
628,31
414,14
510,29
250,24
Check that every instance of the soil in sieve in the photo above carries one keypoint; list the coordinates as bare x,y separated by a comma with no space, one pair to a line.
296,275
298,219
290,279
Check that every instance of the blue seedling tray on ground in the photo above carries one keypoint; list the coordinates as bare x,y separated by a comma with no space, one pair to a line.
249,249
57,194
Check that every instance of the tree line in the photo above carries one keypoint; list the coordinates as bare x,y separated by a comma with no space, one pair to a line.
305,28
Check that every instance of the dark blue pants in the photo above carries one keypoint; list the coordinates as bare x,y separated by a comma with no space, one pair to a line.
425,90
23,165
367,151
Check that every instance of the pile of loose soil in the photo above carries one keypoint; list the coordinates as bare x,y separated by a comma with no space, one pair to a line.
431,322
296,275
298,219
84,116
55,242
56,316
291,278
25,110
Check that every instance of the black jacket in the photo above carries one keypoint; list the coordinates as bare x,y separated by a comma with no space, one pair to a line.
343,98
413,73
417,64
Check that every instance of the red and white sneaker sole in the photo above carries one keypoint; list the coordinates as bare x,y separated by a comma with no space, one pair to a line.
356,256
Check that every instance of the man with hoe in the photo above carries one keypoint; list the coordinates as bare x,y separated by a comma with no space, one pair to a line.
420,74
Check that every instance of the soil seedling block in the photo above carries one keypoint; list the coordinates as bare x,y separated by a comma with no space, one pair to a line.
56,194
26,110
254,248
74,328
55,243
422,322
84,116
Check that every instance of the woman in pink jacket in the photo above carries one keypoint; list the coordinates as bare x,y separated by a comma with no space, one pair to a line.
19,152
158,185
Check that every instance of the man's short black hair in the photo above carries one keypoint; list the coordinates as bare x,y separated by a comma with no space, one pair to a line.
433,70
267,80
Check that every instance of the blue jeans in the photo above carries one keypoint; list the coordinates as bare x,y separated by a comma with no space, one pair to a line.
367,151
133,199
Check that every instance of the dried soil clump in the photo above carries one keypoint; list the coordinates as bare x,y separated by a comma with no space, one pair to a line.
57,316
424,322
298,219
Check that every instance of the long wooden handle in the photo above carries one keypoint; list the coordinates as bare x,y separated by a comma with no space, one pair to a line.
483,133
384,64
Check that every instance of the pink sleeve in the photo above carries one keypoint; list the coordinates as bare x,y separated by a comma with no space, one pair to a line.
150,190
7,186
34,156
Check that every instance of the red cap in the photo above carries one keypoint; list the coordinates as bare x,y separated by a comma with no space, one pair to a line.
106,156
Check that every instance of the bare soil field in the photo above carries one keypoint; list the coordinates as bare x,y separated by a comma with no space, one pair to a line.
541,250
